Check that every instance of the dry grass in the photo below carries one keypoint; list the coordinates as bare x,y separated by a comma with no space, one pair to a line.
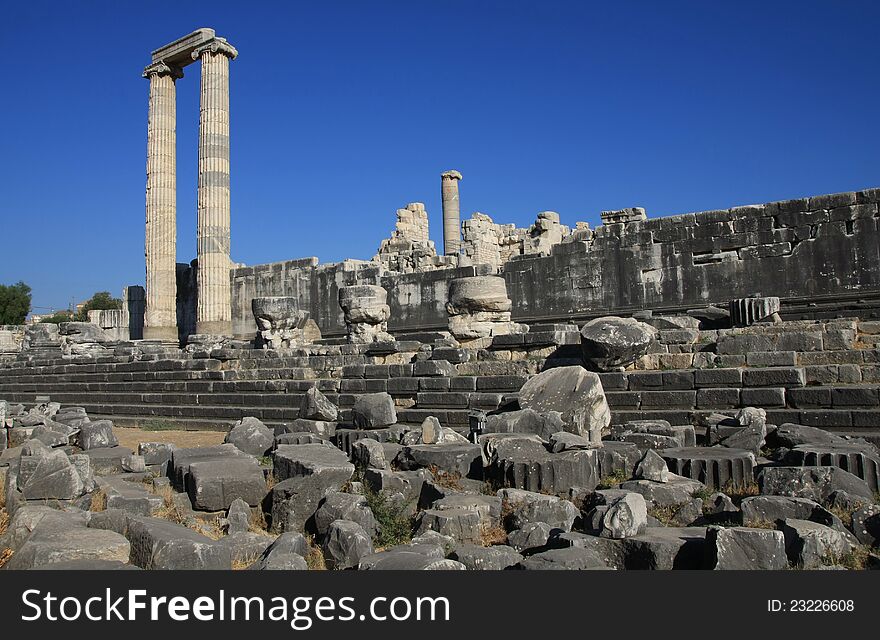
257,523
315,557
740,493
611,481
859,559
5,555
844,515
4,521
446,479
492,534
99,501
240,564
210,528
169,510
132,437
3,491
666,515
760,524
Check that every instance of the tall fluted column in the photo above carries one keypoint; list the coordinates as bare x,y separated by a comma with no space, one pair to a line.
451,213
214,308
160,250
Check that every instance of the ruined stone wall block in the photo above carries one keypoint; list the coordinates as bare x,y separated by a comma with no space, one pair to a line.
366,313
610,343
574,392
280,322
860,460
747,311
716,467
478,307
775,377
552,473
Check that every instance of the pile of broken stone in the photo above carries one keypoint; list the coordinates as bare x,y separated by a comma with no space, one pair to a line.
547,485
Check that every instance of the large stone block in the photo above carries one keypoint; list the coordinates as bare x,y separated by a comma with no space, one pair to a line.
810,545
293,461
215,485
524,507
575,393
347,542
97,435
374,411
251,436
47,474
739,548
182,459
49,545
716,467
859,459
815,483
464,460
159,544
610,343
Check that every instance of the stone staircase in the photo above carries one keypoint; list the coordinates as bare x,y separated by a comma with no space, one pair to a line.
206,393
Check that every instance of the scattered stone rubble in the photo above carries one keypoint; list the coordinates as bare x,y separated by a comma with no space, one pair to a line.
546,483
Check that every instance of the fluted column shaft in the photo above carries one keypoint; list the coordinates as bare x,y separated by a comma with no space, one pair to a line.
214,308
160,317
451,213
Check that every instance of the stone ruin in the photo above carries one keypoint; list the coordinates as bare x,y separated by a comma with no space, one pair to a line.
409,250
280,323
698,391
366,314
479,308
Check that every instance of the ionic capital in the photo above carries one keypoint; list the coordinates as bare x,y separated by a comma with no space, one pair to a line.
162,68
217,45
451,175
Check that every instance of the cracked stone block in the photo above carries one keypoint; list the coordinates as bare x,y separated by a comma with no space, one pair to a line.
815,483
574,392
347,542
344,506
461,524
463,459
477,558
97,435
716,467
860,460
291,461
810,545
743,548
316,406
374,411
251,436
568,559
159,544
523,507
215,485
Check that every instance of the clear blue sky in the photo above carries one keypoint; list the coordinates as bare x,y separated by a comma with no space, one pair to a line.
343,112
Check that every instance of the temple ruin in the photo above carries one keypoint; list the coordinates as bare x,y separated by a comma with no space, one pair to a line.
648,394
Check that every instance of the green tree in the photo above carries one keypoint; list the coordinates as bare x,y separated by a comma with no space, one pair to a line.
15,302
58,317
101,300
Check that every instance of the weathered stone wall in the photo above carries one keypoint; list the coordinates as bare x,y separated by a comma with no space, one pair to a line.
812,248
809,248
11,337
